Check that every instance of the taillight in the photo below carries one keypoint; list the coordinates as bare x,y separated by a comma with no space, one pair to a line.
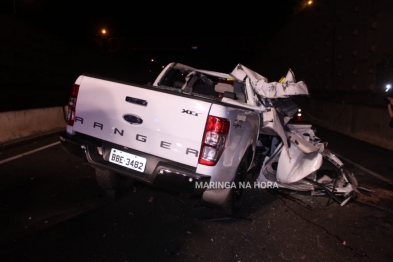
72,105
214,140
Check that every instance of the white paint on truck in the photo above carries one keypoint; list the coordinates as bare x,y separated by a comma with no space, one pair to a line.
168,129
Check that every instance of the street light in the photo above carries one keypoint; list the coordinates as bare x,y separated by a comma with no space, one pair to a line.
300,6
103,31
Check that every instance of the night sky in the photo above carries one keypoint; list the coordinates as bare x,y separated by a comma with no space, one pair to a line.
210,37
153,18
231,32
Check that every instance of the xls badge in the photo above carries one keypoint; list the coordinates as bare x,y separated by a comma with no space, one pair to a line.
189,112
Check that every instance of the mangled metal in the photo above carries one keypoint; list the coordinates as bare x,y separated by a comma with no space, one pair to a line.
294,156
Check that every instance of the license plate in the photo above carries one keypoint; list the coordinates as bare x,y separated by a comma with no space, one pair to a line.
127,160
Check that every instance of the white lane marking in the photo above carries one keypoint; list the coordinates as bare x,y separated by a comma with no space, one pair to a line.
28,153
366,170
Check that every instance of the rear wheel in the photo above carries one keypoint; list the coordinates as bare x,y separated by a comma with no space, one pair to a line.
236,195
113,184
107,180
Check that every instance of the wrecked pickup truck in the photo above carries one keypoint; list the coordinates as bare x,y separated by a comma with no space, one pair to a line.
193,131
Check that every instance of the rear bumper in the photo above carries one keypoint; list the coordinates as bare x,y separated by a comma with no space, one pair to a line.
158,172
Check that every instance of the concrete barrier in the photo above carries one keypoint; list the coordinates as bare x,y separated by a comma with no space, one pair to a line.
16,126
364,122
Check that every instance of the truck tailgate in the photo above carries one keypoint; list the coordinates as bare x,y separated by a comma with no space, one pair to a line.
154,122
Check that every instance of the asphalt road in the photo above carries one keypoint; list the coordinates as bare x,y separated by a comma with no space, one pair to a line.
53,210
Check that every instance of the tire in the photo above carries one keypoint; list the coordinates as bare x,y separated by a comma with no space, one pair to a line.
107,180
235,198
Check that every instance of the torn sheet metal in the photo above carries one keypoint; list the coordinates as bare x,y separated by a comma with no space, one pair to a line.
288,87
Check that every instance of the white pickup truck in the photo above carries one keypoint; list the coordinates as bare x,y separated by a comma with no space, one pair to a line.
190,130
